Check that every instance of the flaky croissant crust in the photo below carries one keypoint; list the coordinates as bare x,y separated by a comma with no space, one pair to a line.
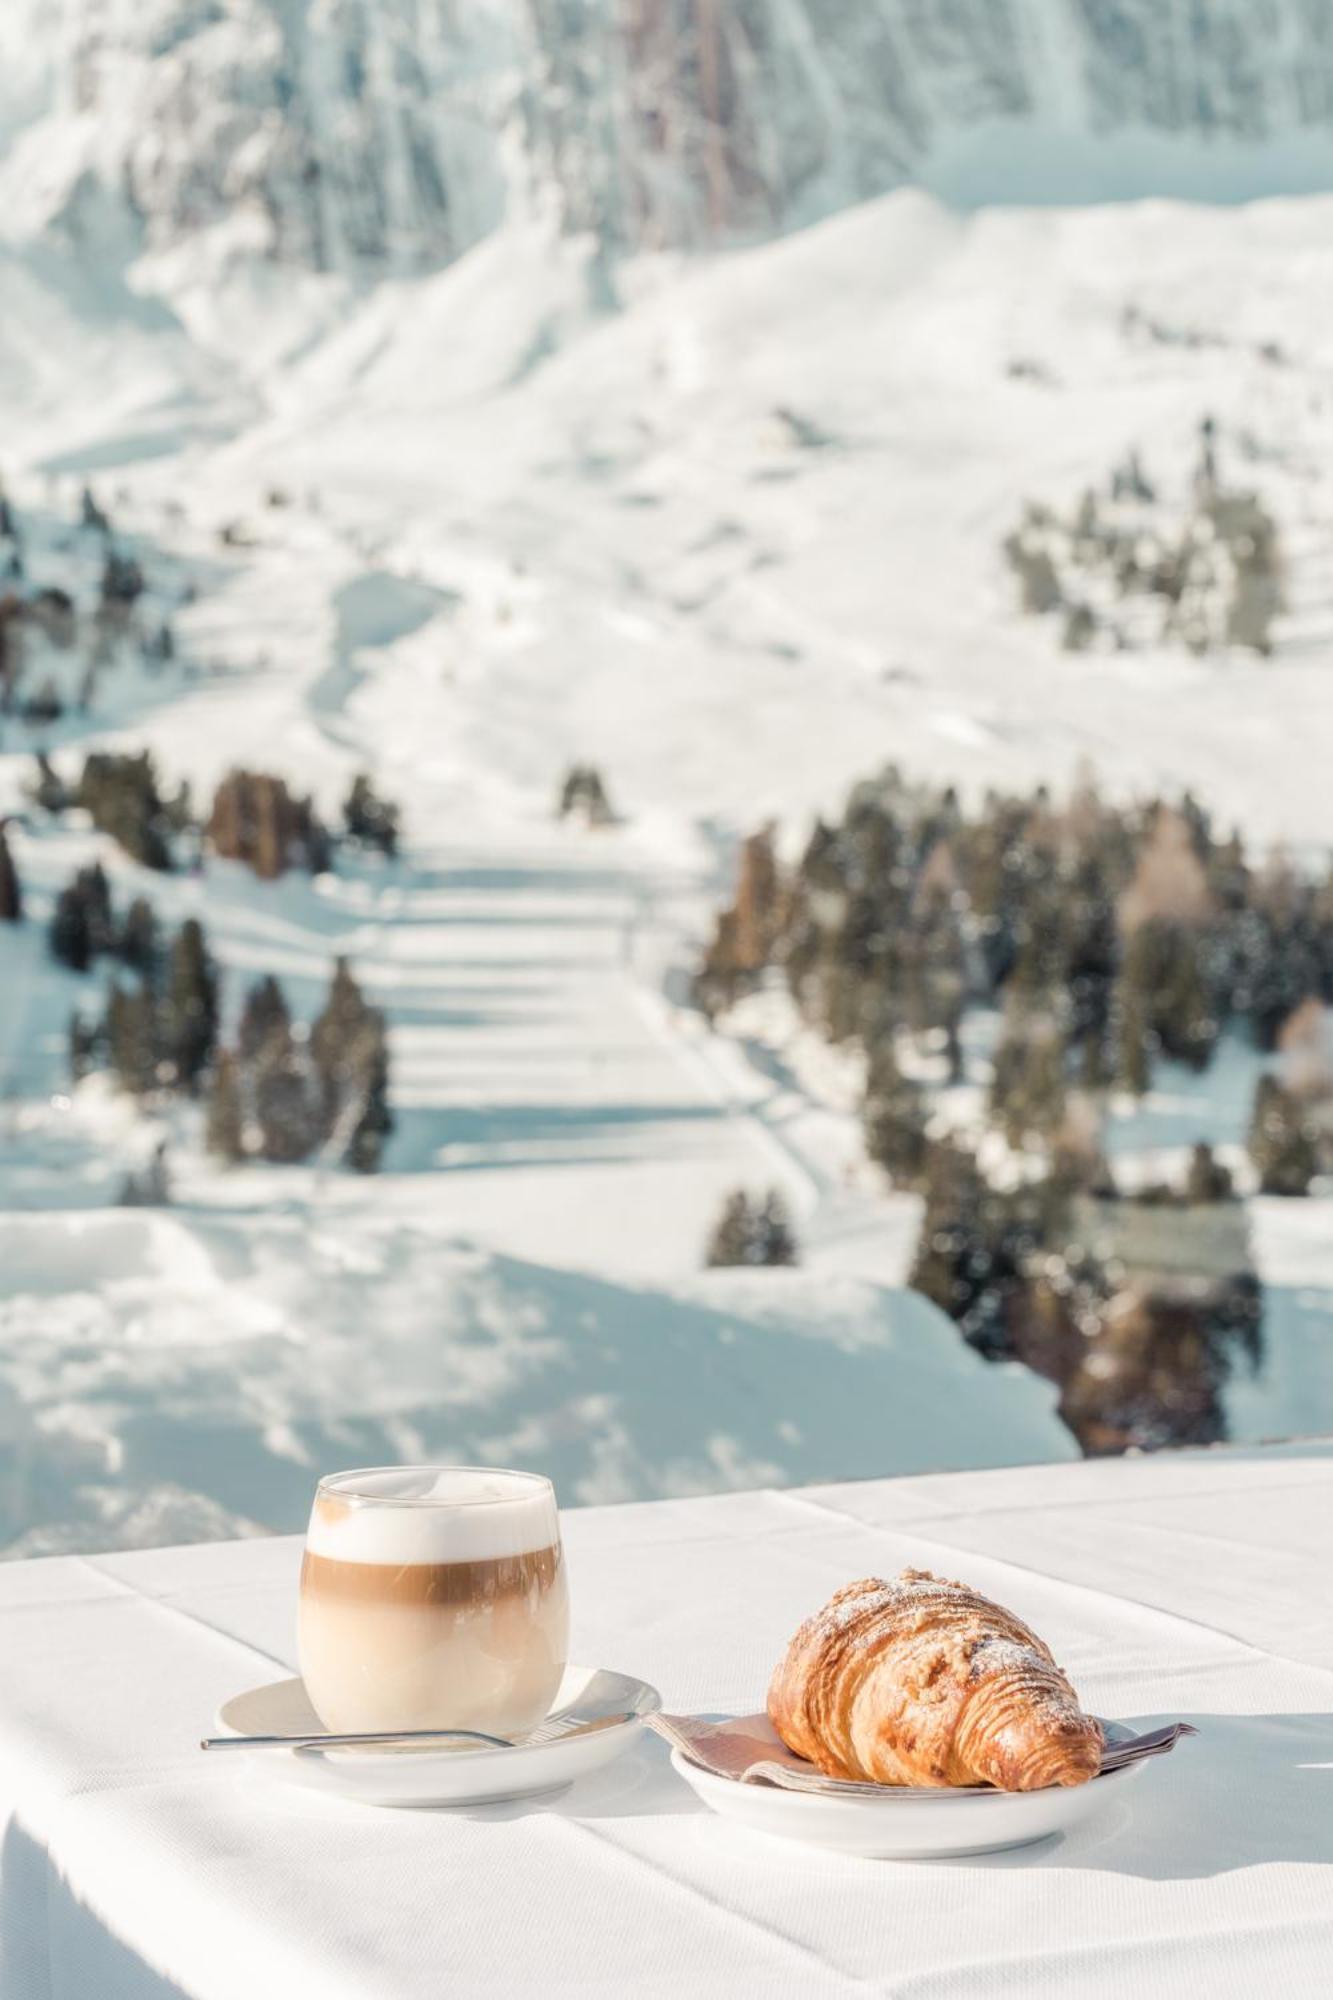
914,1680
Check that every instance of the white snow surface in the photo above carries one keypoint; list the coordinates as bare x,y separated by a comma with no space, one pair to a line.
737,543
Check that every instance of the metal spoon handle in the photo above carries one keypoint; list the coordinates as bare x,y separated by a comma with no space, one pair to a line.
327,1742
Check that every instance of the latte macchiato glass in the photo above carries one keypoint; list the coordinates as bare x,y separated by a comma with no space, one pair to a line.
433,1597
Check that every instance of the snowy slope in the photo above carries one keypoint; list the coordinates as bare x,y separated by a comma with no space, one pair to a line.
732,531
793,467
184,1369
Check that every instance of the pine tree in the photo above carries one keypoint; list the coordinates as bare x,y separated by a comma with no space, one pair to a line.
733,1232
81,923
1135,1043
1280,1142
757,905
316,841
152,1187
1163,993
224,1129
47,790
1028,1084
931,968
1078,1163
11,896
774,1240
284,1110
190,1008
893,1117
718,980
365,1148
264,1014
978,1246
1080,628
1090,954
180,808
43,706
83,1041
1255,601
137,943
90,513
69,931
1206,1179
122,580
582,792
337,1035
369,819
1039,582
1252,537
597,809
96,890
131,1038
1170,880
273,828
1305,1040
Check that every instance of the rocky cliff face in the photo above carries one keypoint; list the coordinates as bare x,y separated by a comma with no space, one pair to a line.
374,135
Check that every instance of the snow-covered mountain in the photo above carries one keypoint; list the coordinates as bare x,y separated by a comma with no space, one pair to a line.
316,294
389,135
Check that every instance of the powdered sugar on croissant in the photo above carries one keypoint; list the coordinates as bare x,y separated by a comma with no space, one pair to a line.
914,1680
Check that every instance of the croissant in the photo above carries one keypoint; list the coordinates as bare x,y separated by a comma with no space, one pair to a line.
917,1681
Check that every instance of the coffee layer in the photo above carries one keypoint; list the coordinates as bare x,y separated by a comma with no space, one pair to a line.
444,1584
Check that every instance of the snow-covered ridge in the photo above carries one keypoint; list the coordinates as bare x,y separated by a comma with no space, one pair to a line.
372,136
233,1366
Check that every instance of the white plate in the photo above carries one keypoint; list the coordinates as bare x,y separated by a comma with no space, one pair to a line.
915,1827
408,1777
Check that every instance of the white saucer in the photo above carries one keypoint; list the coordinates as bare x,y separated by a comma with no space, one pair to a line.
916,1826
409,1777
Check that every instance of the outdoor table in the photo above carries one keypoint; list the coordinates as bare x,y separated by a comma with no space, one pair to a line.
1189,1585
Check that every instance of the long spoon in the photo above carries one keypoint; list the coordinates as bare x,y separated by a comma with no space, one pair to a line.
559,1729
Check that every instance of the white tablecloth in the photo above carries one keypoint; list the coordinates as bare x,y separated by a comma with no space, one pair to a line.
1196,1586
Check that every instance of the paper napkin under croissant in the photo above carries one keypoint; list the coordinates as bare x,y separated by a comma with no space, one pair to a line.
749,1749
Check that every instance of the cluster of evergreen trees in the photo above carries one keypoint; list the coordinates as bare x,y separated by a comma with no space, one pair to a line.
46,613
254,816
1107,937
277,1093
583,795
257,820
756,1231
122,795
159,1030
281,1096
1116,571
121,792
369,820
1291,1126
85,926
1104,939
1139,1306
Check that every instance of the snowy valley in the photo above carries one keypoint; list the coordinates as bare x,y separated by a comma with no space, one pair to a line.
449,477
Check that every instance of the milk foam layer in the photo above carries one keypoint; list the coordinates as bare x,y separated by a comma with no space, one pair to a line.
432,1514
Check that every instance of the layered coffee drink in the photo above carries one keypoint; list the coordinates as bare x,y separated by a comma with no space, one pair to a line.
433,1597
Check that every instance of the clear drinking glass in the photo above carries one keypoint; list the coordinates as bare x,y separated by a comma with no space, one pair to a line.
433,1597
